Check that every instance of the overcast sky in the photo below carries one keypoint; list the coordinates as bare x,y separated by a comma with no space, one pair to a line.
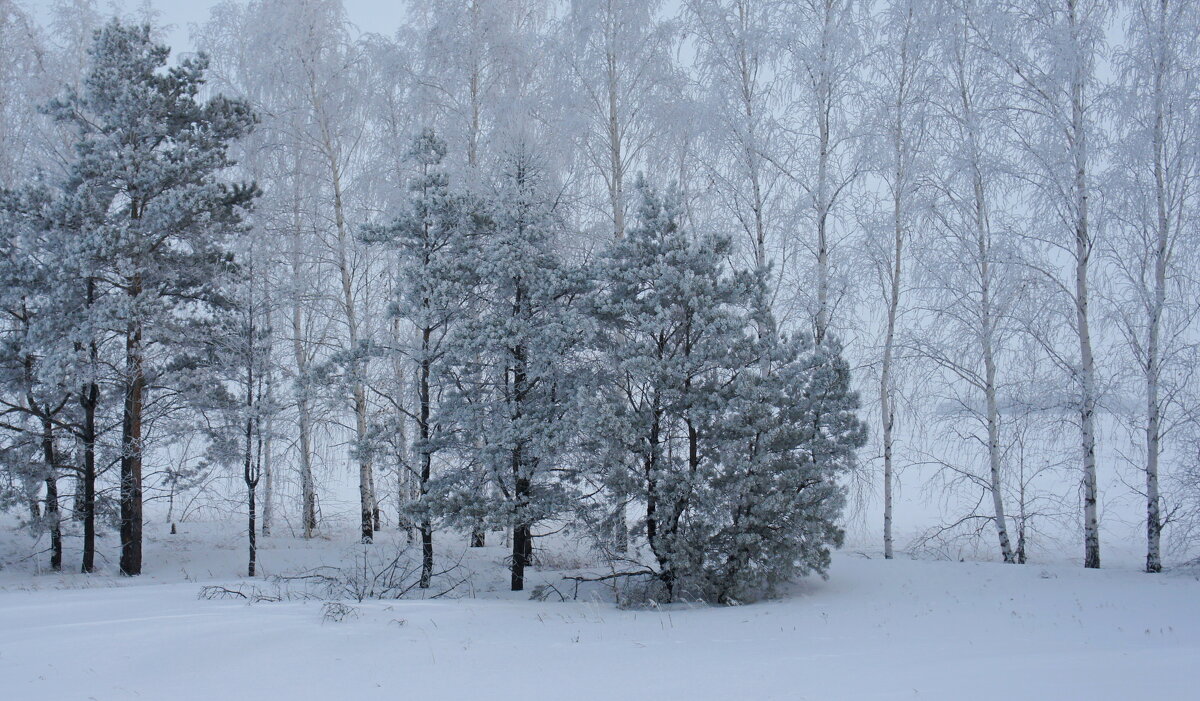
380,16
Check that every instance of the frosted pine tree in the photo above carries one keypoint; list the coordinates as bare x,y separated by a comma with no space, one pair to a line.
148,156
737,434
676,320
57,338
517,393
36,307
786,436
430,240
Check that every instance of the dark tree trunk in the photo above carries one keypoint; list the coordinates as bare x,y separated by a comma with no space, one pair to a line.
89,400
521,472
53,517
251,531
426,552
366,532
251,468
131,447
426,459
522,551
131,475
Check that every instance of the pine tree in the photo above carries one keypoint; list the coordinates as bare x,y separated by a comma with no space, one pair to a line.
430,241
676,320
148,160
35,352
53,298
516,393
738,433
786,435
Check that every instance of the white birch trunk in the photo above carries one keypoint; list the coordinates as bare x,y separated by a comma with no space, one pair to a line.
1162,241
308,495
1083,250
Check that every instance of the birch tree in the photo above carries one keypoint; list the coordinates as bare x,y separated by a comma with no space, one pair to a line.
737,60
1051,49
250,58
825,49
970,274
471,51
899,144
1155,170
328,62
616,52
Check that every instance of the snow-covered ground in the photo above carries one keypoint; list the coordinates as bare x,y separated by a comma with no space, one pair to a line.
874,629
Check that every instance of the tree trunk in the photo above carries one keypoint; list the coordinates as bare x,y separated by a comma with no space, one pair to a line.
522,542
264,441
53,516
475,88
250,474
987,338
251,529
403,469
425,410
824,100
616,181
616,201
330,149
887,411
268,485
520,553
1087,365
251,471
1023,516
521,467
365,476
131,445
651,476
987,318
994,453
308,494
1154,521
89,398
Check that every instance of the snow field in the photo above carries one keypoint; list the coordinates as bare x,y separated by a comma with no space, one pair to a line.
874,630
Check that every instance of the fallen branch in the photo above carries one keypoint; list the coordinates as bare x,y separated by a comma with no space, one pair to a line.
614,575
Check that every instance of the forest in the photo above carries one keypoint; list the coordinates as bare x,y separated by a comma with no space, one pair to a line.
599,349
697,284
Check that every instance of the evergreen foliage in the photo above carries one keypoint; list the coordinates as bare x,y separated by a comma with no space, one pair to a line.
516,391
143,224
735,437
545,386
430,240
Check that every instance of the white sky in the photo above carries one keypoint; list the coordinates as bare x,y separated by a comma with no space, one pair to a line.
376,16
